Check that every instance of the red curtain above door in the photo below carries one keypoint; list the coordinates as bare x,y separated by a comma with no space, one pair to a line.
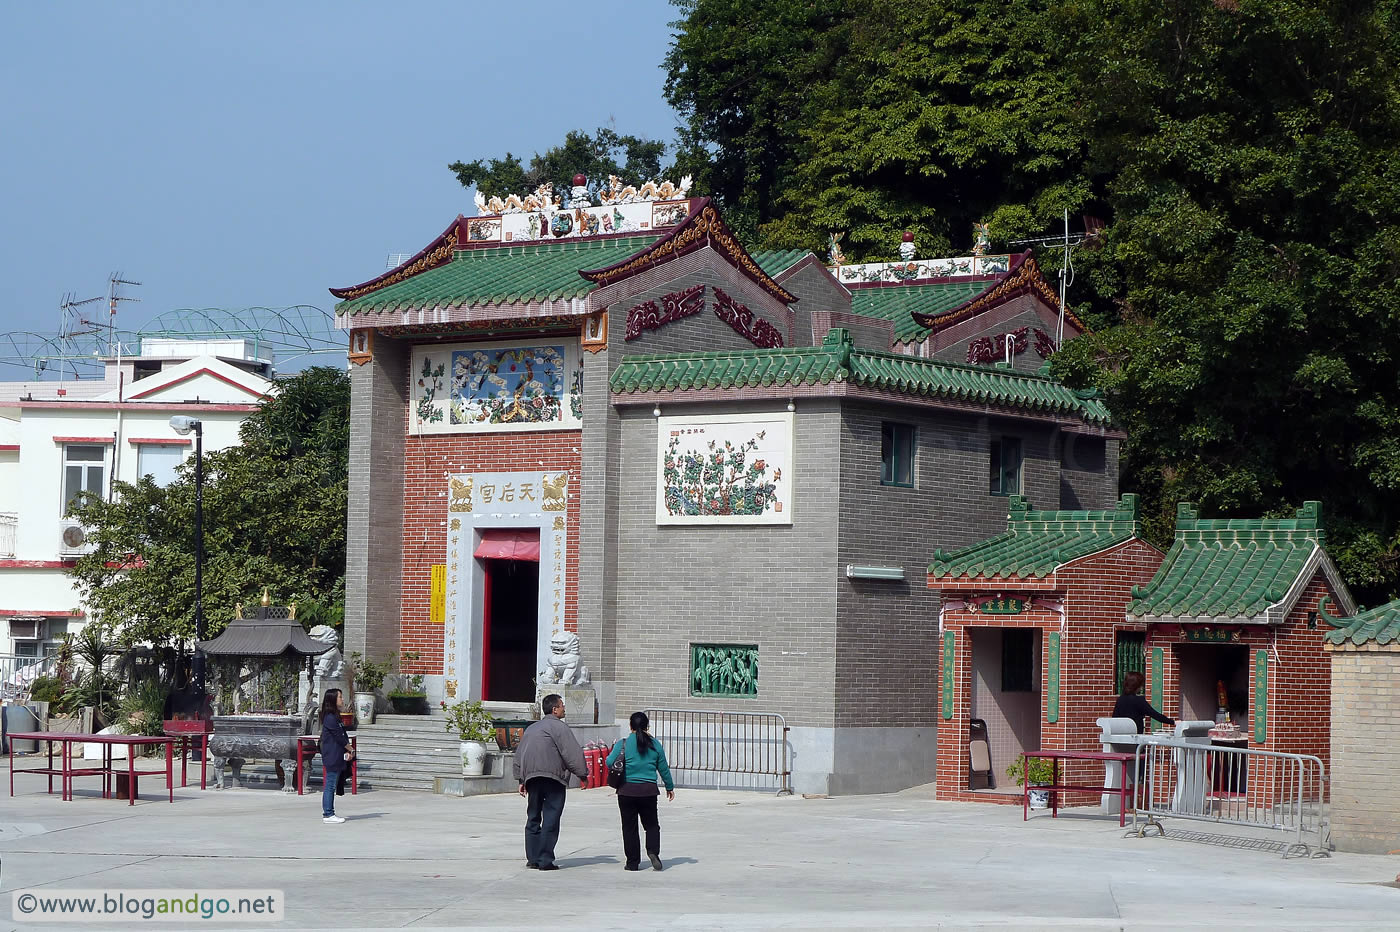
503,544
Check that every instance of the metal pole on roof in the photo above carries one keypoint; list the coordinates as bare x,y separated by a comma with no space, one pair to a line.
1064,283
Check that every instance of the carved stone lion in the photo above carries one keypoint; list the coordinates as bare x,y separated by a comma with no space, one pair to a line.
565,665
331,664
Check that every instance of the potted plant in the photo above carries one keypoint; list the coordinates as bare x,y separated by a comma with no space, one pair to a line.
410,698
369,677
1041,774
475,729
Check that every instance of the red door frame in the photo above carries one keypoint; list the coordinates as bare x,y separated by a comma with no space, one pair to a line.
486,634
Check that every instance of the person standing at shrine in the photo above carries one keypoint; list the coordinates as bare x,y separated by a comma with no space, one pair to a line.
548,752
1131,704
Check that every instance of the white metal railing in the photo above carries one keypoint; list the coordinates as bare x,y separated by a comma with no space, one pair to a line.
9,520
725,742
1233,786
17,674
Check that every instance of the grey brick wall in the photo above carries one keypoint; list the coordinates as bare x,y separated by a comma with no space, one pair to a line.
699,333
598,512
1028,361
374,532
1366,750
816,292
1087,475
887,646
770,585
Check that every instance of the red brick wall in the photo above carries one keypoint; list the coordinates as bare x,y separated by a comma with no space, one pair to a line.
1298,717
1300,677
428,459
1095,591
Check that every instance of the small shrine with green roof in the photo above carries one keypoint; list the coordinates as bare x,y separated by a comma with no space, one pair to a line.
715,452
1033,640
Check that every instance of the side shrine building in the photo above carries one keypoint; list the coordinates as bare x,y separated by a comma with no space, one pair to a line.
724,470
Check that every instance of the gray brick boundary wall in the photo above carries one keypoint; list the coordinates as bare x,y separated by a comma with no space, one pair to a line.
1366,750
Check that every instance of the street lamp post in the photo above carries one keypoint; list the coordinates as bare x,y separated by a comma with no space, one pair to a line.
183,424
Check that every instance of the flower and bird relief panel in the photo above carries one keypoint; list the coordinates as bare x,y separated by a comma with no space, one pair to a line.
724,469
484,387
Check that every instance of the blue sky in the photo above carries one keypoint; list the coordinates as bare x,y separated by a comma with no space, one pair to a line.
239,154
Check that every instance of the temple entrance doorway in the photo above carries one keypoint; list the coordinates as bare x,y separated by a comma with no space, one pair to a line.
509,614
1006,695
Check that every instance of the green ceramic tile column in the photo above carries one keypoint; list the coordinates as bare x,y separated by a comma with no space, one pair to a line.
1157,663
1052,688
949,639
1261,696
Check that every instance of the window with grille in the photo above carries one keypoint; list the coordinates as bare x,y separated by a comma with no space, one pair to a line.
1130,653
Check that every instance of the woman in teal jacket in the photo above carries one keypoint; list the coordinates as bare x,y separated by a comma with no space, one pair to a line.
646,759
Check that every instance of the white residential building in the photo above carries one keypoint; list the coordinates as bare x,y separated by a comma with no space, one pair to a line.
58,438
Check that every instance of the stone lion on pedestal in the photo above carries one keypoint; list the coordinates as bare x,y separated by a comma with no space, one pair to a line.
564,665
330,665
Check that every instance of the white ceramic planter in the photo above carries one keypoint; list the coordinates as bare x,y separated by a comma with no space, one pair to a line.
473,758
364,708
1040,799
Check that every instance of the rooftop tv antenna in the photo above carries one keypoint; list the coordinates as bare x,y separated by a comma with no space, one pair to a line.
70,324
1066,242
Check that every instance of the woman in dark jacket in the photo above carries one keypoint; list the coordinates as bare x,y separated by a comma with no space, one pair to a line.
1132,705
637,797
335,753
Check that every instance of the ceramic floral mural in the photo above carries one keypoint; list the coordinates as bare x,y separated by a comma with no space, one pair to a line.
724,470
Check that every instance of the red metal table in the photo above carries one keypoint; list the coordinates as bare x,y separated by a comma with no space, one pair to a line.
187,732
107,771
302,742
1054,757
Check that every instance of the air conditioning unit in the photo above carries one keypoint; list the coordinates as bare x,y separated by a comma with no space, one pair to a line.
73,539
24,628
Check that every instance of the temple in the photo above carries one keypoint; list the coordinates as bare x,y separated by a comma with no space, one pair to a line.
725,469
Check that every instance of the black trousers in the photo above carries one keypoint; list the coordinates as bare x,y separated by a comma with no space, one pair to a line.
633,808
543,810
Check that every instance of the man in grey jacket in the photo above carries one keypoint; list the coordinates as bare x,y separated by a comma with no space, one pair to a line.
548,752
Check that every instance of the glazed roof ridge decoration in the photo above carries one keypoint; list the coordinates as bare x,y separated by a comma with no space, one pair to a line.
1036,543
1022,277
500,274
837,360
1379,626
703,226
1237,570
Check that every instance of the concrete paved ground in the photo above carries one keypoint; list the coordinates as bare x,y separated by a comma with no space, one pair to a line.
734,861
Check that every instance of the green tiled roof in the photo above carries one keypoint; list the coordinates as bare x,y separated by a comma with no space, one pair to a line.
1230,569
836,360
899,303
1036,542
537,272
776,261
1380,625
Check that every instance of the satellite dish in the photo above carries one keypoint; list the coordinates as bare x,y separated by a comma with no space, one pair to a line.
74,536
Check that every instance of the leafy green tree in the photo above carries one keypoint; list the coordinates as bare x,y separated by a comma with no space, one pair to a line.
634,159
274,516
747,77
1251,354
